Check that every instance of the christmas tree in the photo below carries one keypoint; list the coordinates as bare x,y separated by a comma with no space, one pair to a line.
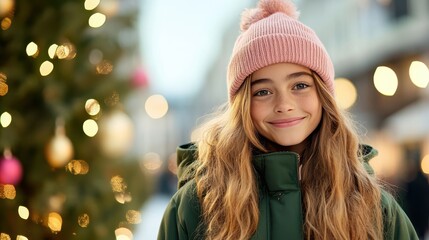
64,71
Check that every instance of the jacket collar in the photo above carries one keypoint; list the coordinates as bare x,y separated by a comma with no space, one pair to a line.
279,170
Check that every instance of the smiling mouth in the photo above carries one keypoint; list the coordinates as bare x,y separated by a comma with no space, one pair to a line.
282,123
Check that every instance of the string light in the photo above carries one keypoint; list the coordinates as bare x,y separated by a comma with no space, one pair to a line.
419,74
23,212
32,49
123,234
133,217
151,162
90,127
77,167
7,191
104,67
156,106
83,220
91,4
97,20
55,221
425,164
385,80
5,119
52,50
4,236
4,88
92,107
6,23
345,92
46,68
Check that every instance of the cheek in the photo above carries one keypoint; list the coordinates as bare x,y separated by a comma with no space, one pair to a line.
253,113
316,109
313,106
257,111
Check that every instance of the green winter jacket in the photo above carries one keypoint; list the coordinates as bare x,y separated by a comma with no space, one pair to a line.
280,203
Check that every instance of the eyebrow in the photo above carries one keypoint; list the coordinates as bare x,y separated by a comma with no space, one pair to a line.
288,77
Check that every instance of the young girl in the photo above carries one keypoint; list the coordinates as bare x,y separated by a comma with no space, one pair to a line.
280,161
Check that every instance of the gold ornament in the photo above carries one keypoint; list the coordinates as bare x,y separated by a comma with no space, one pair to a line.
59,150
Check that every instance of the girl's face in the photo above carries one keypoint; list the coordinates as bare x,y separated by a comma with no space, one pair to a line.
285,107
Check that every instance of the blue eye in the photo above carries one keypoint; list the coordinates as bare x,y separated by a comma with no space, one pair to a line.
300,86
262,93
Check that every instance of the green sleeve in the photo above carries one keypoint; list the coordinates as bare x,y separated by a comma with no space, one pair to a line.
397,225
170,228
182,217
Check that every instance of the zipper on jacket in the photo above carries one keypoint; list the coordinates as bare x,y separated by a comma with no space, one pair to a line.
278,195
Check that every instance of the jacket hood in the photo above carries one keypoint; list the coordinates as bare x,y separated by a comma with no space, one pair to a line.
187,154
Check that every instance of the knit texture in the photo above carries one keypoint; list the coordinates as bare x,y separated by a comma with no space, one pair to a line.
272,34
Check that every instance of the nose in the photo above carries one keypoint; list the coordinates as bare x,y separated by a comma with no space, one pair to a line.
283,104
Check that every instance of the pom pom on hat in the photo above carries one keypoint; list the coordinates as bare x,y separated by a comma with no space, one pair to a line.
265,9
271,33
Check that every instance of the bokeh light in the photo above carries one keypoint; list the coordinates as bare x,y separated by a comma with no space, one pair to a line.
21,237
97,20
23,212
133,216
91,4
118,184
66,51
92,107
4,236
116,133
46,68
156,106
5,7
77,167
123,197
83,220
5,119
62,52
113,99
32,49
56,201
123,234
90,127
95,56
5,23
385,80
55,221
52,50
4,88
104,67
419,74
425,164
7,191
345,93
151,162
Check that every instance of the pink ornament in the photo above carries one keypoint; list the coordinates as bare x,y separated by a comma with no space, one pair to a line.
139,78
10,170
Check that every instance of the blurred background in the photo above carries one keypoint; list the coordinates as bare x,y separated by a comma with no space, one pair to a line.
96,95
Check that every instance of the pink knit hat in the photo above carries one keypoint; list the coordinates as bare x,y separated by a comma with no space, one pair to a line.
271,33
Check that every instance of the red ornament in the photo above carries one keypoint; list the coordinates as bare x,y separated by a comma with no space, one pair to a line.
10,170
140,78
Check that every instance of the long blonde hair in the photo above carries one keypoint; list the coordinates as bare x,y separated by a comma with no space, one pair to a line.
341,200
